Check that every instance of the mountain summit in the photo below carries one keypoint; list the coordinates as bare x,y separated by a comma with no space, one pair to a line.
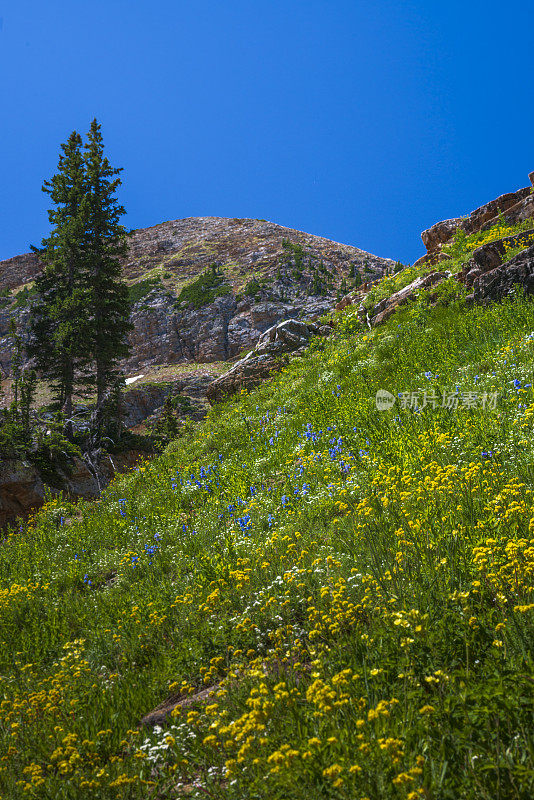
206,288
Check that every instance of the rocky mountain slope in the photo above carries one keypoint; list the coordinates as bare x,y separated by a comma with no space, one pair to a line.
208,289
265,273
308,595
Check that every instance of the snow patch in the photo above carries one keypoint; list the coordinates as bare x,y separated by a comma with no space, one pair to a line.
131,380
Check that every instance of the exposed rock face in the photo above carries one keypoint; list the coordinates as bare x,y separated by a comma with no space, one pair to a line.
488,273
288,336
495,284
22,489
491,255
246,374
386,307
17,271
248,244
227,326
203,332
513,206
216,332
161,714
440,233
291,336
141,402
22,316
290,266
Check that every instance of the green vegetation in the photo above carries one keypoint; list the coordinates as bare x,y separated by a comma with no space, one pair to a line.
462,246
252,288
22,436
182,403
24,296
105,241
360,580
16,432
205,289
393,283
167,426
295,252
137,291
80,316
459,250
318,287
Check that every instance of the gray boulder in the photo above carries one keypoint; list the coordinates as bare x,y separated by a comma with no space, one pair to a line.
289,337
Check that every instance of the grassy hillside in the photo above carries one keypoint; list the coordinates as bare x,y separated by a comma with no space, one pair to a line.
360,581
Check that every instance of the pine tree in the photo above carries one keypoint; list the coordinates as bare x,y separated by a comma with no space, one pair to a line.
16,363
28,387
106,245
59,341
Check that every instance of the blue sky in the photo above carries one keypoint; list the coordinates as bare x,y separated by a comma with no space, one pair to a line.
363,121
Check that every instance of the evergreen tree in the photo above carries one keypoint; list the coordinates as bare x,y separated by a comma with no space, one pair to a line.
16,363
59,341
106,244
28,386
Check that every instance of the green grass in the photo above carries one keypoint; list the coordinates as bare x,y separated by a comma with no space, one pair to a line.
204,290
360,580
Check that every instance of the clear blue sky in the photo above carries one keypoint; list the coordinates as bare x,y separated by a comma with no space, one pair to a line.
365,121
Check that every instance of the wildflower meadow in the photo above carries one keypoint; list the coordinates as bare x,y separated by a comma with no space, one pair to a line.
352,585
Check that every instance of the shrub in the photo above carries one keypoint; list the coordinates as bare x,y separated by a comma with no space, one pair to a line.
205,289
252,288
138,291
296,251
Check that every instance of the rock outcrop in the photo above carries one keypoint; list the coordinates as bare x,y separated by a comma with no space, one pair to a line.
493,254
512,207
291,336
499,282
164,712
22,488
141,402
19,270
386,307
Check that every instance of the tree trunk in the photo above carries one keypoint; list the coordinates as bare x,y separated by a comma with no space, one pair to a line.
67,407
100,385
